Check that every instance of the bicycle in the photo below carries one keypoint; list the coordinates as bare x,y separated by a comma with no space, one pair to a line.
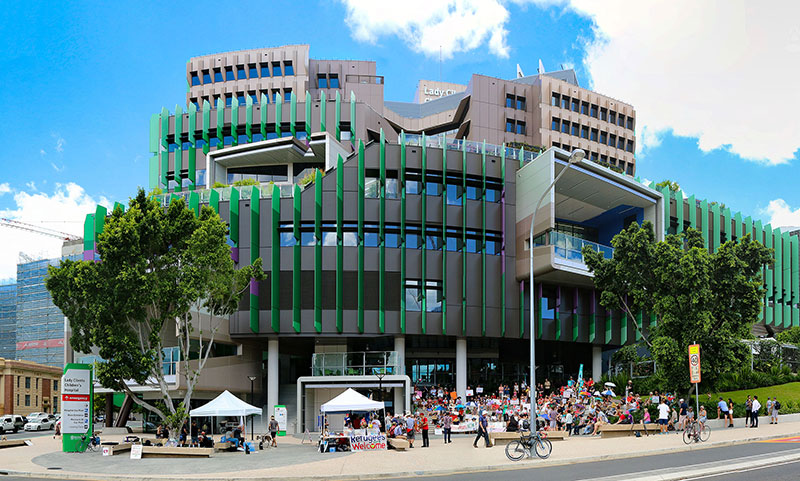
527,443
92,443
696,432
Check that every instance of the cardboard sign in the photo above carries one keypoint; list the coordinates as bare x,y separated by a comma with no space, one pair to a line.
469,392
369,442
106,451
694,363
136,451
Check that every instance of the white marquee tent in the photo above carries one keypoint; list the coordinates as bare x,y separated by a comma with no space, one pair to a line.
351,400
226,404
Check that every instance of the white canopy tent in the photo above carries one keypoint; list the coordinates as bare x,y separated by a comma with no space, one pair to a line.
226,404
351,400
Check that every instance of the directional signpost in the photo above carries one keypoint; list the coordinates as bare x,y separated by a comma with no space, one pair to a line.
76,406
694,372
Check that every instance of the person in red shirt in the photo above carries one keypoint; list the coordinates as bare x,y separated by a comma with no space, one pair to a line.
424,428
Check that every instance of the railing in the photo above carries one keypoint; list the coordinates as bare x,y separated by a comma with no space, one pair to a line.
570,247
365,79
435,141
354,363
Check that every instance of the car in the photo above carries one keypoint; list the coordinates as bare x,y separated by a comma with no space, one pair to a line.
36,415
40,423
12,423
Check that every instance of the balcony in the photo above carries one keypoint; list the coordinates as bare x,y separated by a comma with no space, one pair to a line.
570,248
368,363
435,141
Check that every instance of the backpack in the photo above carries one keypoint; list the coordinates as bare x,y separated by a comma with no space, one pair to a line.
777,405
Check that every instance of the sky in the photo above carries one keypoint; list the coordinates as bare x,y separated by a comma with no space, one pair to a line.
713,84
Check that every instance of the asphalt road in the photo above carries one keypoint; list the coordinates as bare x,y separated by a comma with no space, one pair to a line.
27,435
629,467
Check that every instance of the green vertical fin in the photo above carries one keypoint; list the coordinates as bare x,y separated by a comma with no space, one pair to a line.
339,244
360,236
297,217
318,250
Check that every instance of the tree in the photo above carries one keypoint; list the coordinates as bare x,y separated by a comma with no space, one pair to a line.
673,186
157,267
789,336
709,298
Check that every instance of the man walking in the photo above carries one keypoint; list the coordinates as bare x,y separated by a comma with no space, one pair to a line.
756,406
483,425
776,406
447,424
663,416
273,430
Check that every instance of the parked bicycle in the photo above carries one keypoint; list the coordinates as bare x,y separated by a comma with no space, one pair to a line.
696,432
92,442
529,443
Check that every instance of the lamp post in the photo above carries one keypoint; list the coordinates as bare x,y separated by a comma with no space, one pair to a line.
576,156
252,379
380,389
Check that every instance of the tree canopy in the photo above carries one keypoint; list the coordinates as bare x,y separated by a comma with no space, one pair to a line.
673,186
712,299
157,267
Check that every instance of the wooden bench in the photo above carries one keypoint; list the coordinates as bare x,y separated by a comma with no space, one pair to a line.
165,452
622,430
13,443
399,444
556,435
220,446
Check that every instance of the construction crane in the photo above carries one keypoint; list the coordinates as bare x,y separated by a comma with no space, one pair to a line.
15,224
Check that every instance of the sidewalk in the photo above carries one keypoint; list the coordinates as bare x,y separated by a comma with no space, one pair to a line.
292,460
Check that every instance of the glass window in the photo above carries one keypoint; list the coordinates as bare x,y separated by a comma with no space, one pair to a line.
620,142
492,195
240,72
575,105
555,100
333,81
413,238
521,127
521,103
584,132
206,77
264,69
276,69
372,188
612,140
27,383
350,239
433,187
413,295
592,155
603,138
229,73
228,100
253,71
287,239
217,75
287,95
564,102
275,94
585,108
509,101
472,244
391,189
453,194
227,140
575,129
433,240
253,96
629,147
509,125
240,97
594,135
555,125
413,187
433,295
195,79
621,120
603,114
630,123
288,68
565,127
322,81
629,169
27,399
473,193
593,111
604,159
371,239
612,117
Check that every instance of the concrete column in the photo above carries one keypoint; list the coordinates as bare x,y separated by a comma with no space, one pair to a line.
461,368
400,348
399,400
597,362
272,376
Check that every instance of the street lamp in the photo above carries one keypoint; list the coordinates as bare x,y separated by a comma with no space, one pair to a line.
380,389
576,156
252,379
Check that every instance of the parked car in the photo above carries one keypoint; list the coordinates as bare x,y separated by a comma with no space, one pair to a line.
36,415
41,423
12,423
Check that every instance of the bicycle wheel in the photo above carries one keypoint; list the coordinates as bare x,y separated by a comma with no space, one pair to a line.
515,450
705,433
543,448
688,436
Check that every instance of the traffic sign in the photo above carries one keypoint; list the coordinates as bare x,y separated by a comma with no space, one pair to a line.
694,363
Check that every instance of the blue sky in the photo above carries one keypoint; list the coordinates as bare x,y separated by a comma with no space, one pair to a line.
80,81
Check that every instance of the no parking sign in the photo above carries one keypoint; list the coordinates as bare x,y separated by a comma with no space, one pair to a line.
694,363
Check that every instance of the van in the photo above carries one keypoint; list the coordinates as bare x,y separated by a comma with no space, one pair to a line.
11,422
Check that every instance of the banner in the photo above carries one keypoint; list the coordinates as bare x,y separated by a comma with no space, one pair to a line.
367,442
694,363
280,416
76,406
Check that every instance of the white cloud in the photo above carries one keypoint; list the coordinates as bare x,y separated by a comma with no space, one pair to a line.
57,168
42,152
781,214
5,188
723,73
64,210
60,142
430,25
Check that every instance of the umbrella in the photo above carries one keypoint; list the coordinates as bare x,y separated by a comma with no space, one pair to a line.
440,408
609,392
597,393
471,404
610,384
460,405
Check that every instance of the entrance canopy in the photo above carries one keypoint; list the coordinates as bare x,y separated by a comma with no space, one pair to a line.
350,400
226,404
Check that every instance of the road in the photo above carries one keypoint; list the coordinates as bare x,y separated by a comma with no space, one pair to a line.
27,434
627,468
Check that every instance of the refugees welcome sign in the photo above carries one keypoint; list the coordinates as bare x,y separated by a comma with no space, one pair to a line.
367,442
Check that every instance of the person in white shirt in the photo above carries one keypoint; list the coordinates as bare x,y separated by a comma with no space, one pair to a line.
754,413
663,416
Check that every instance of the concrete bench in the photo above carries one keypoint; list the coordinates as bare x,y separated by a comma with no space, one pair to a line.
153,441
13,443
119,448
220,446
165,452
622,430
510,436
399,444
556,435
